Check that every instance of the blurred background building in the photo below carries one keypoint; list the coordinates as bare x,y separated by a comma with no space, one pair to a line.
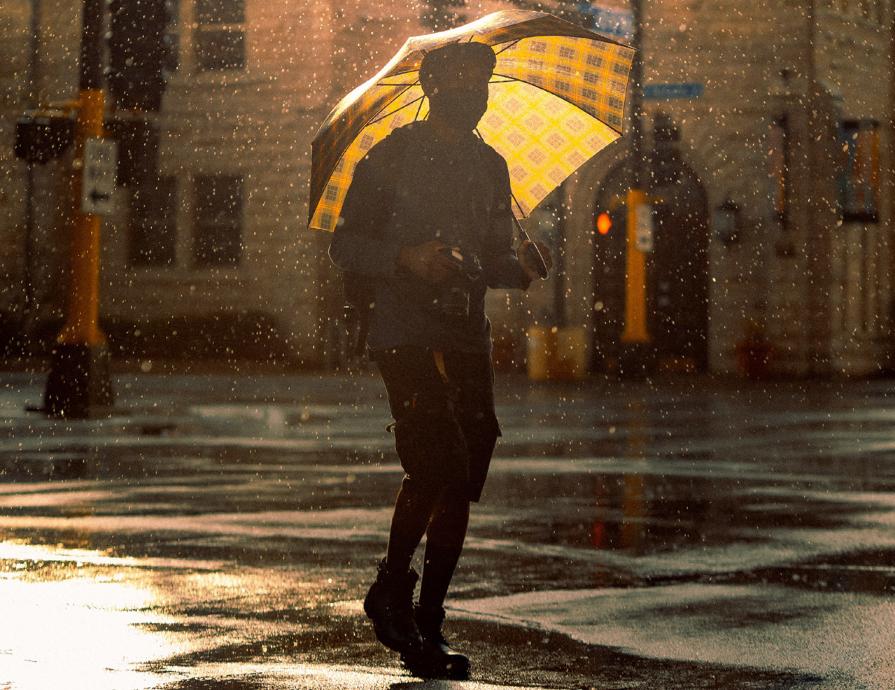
769,131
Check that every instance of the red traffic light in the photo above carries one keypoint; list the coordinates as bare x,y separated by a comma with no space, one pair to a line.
604,223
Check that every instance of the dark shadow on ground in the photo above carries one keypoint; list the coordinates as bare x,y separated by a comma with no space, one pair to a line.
501,654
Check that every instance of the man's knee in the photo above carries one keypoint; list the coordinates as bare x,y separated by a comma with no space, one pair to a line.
454,498
415,489
481,432
450,496
431,447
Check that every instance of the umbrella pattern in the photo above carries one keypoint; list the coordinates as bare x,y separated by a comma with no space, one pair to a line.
556,98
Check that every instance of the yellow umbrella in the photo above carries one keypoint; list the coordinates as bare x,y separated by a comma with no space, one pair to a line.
556,98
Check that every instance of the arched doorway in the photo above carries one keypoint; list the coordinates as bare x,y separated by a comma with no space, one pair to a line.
677,268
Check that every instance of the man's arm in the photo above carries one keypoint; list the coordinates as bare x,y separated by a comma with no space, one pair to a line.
358,244
500,262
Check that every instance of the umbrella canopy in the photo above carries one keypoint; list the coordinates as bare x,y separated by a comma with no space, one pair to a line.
556,98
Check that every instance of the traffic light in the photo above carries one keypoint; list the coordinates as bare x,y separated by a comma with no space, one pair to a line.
42,135
604,223
138,52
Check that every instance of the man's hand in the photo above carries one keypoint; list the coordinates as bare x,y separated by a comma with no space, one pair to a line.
529,263
428,261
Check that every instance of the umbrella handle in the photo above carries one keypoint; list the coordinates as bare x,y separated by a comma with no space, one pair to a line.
532,251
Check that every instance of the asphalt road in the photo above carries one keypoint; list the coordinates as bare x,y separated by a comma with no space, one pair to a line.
220,532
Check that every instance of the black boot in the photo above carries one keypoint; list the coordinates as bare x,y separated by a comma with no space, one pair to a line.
437,659
389,604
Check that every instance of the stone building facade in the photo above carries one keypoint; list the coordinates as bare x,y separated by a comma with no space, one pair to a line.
785,132
783,97
223,233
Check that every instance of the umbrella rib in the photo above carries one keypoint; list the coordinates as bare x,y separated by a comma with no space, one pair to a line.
508,77
521,210
552,93
386,105
508,46
375,118
419,109
389,114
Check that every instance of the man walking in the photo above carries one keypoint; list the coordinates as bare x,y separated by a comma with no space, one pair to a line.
427,223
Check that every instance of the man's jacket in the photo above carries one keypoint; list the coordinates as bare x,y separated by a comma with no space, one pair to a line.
413,187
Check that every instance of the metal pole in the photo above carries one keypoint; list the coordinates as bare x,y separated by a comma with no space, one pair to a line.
635,330
33,102
635,162
79,379
559,271
888,195
83,304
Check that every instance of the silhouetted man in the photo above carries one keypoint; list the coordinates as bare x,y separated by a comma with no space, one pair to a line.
427,220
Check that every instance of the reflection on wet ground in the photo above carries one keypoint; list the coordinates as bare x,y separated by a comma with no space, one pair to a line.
222,532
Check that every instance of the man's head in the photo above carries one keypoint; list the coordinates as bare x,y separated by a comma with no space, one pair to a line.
455,78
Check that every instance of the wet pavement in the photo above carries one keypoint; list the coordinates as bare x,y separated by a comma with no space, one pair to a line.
221,531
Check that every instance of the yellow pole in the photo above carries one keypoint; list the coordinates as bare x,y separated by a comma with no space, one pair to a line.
635,275
82,314
79,381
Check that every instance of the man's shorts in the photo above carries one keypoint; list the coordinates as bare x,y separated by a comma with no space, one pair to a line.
443,405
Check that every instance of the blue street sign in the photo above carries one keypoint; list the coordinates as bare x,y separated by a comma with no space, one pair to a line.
609,21
670,92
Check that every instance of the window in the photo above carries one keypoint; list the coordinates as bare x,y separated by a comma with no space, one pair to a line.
859,171
778,164
217,239
220,36
171,60
153,224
